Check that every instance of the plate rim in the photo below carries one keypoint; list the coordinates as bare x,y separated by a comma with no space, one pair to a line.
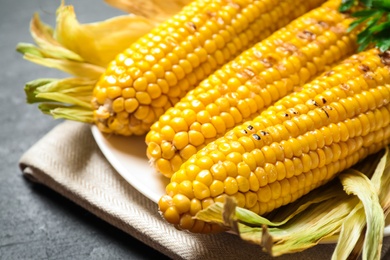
118,166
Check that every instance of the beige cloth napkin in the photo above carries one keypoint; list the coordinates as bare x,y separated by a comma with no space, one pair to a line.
68,161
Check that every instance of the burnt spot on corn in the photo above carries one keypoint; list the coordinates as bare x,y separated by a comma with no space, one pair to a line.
364,68
236,66
278,42
310,20
171,41
323,24
249,72
268,61
256,137
210,14
338,29
326,112
329,73
345,86
293,111
264,133
306,35
244,131
324,100
234,4
220,21
250,127
313,102
191,26
287,48
369,75
258,54
290,47
326,109
385,57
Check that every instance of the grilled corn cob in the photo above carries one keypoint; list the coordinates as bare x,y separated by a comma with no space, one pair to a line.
255,79
291,148
158,69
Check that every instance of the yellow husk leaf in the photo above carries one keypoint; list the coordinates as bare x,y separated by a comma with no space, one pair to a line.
156,10
91,45
48,46
98,43
355,182
78,69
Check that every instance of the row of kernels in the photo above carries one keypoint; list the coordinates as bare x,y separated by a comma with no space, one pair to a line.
302,184
272,197
271,172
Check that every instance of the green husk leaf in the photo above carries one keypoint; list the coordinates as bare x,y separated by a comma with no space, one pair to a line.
375,17
29,48
380,27
382,39
69,113
346,5
356,23
381,4
366,13
68,98
367,3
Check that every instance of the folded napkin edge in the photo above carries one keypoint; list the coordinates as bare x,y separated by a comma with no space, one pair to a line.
38,176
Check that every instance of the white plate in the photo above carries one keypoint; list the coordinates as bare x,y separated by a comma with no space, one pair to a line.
128,156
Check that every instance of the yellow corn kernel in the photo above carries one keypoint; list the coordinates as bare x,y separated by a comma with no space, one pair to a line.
131,105
263,74
290,164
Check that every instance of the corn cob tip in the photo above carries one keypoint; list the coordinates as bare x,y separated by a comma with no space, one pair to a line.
176,210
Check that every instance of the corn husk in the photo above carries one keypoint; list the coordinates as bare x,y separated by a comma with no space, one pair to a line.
154,9
83,51
351,210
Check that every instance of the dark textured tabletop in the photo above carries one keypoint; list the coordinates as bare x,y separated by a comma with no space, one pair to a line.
35,222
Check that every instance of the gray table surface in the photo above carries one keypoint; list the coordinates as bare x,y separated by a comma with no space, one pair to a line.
35,222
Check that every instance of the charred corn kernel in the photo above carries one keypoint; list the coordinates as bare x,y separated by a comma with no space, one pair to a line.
261,75
289,165
161,67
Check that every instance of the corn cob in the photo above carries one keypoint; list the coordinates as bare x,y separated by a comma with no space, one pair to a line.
158,69
244,87
291,148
